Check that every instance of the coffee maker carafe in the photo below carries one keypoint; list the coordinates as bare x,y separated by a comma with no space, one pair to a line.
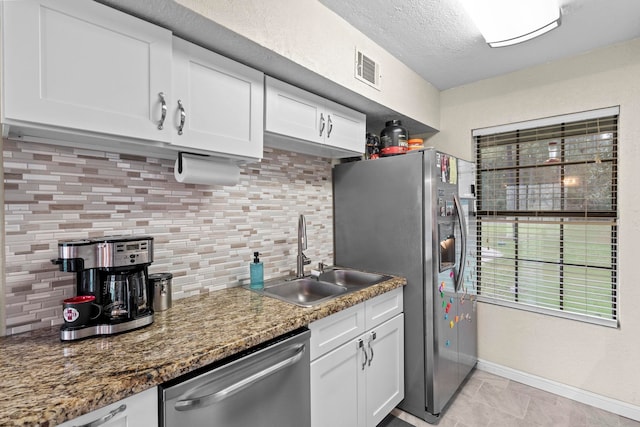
115,271
125,294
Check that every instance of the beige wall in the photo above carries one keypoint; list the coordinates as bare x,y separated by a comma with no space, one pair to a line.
593,358
314,37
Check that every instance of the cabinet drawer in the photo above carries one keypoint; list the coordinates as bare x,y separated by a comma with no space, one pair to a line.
333,331
383,307
139,410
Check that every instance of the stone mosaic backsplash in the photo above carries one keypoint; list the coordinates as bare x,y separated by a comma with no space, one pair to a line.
204,235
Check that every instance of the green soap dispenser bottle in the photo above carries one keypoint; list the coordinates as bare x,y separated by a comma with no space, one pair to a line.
256,272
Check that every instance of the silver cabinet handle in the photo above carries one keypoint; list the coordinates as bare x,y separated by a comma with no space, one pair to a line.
321,123
183,117
164,110
364,352
210,399
371,338
103,420
330,125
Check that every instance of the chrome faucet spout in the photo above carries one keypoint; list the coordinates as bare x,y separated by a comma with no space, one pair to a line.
302,259
302,232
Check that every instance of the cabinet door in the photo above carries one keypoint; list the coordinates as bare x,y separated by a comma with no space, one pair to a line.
310,123
82,65
385,369
139,410
222,103
337,387
293,112
346,128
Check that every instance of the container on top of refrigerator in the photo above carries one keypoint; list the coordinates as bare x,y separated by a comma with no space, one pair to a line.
372,147
393,139
415,144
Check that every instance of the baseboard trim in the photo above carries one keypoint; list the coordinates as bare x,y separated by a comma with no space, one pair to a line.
608,404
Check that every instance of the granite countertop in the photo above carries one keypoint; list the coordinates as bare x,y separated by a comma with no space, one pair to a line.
46,382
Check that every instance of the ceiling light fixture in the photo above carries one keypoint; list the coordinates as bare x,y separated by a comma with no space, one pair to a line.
507,22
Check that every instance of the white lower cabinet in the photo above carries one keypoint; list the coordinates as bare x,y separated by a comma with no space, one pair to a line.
337,391
384,380
358,381
139,410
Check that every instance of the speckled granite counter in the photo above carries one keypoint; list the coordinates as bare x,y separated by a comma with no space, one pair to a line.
44,382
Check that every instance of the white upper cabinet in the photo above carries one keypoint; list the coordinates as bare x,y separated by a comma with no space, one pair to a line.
82,74
80,65
346,128
301,121
217,103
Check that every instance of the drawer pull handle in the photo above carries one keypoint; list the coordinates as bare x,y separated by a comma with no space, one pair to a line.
364,352
330,125
373,337
103,420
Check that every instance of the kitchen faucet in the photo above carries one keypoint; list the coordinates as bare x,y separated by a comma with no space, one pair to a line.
302,259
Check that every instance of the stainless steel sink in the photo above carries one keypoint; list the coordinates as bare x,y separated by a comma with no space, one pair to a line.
305,292
311,291
352,278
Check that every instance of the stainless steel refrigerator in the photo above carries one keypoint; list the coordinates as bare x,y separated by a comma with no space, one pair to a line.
413,215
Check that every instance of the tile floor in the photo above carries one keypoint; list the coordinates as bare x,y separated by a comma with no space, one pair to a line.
489,400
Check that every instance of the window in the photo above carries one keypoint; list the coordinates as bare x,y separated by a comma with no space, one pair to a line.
547,215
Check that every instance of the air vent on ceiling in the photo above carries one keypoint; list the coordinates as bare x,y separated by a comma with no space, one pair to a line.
367,70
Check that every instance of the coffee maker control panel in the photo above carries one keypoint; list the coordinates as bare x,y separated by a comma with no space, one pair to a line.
131,253
108,252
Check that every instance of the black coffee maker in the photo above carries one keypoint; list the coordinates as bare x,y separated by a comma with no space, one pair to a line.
115,271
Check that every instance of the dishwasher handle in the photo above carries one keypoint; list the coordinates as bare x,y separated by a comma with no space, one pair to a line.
200,402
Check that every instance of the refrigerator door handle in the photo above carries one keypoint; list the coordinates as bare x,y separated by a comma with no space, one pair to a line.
463,251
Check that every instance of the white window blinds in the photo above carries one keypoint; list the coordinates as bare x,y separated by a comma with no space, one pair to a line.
547,215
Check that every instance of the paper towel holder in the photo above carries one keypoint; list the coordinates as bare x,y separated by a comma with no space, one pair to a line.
180,153
195,168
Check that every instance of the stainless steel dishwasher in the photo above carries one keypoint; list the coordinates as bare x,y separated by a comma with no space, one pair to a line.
266,386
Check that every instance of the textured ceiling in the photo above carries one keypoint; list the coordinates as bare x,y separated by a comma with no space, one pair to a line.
437,39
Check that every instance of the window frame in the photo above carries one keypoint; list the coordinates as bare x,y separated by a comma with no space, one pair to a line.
605,217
